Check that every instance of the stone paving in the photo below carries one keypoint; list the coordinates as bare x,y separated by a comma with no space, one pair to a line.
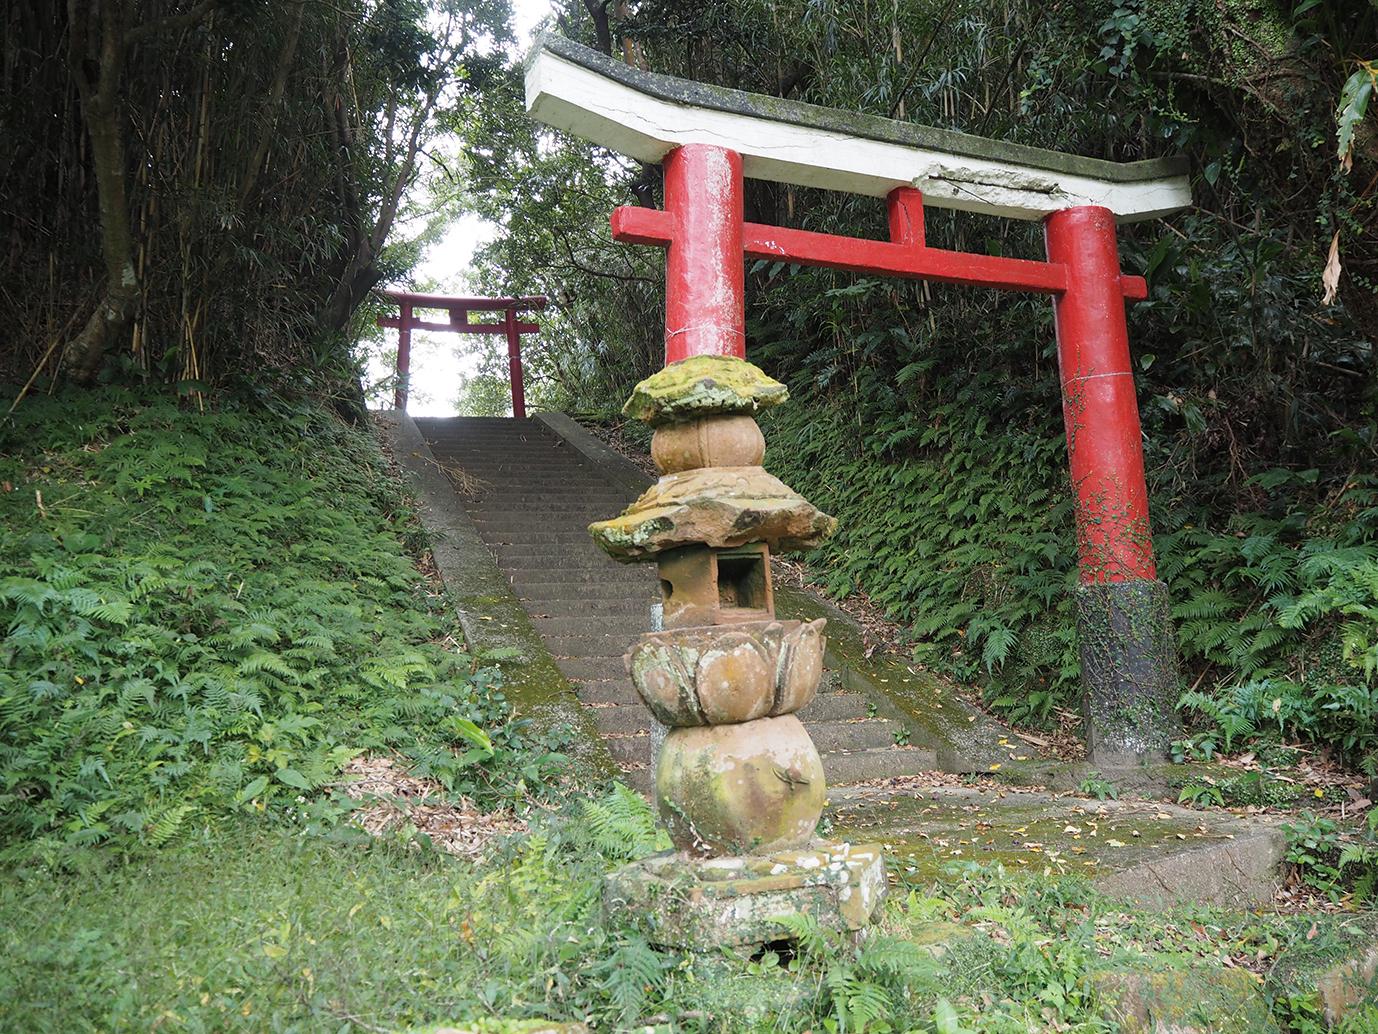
1145,851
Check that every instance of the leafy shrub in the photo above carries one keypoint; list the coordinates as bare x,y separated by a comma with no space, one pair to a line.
209,612
972,549
1330,861
864,988
959,532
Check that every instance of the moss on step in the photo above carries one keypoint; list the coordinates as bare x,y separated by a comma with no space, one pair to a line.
923,832
1200,999
930,708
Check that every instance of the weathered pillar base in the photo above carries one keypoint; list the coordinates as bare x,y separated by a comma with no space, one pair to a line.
733,902
1129,673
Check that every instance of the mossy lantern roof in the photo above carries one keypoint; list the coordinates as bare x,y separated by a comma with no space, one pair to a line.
703,385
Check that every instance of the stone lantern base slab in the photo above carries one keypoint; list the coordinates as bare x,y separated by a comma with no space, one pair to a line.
706,904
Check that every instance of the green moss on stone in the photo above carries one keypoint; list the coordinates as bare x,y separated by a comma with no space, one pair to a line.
1201,999
703,385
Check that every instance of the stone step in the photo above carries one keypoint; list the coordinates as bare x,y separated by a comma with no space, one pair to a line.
622,718
584,623
631,615
526,472
548,537
552,497
516,433
573,547
523,518
520,477
598,668
520,566
552,576
493,450
594,589
570,532
850,768
619,692
507,553
524,488
619,577
523,528
630,751
616,606
496,438
863,734
831,707
591,645
575,507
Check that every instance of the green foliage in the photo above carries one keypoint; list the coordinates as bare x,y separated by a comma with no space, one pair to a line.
1313,847
1200,795
252,929
860,990
621,826
274,154
1354,99
967,549
212,612
1101,789
1335,862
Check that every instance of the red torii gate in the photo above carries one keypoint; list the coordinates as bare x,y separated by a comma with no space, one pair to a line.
459,309
709,140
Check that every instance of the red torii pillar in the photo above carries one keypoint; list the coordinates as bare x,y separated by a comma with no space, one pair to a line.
458,310
1127,651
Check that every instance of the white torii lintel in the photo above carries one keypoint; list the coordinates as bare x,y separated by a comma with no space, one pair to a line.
643,116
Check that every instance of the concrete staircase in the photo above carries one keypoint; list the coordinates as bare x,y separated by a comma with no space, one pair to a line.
532,495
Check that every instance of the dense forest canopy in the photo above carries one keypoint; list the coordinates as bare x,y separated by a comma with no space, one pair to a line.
201,192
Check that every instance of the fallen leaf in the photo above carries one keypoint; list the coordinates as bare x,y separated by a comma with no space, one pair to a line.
1330,278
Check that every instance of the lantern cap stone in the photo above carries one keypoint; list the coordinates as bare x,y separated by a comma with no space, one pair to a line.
645,115
703,385
722,507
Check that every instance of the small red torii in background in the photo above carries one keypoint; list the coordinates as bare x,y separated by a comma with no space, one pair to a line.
459,309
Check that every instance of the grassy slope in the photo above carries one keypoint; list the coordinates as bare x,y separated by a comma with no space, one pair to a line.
211,612
266,530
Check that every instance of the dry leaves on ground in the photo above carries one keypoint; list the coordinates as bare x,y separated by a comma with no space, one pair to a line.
397,799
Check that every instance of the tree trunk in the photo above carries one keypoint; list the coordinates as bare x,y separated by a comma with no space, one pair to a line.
100,105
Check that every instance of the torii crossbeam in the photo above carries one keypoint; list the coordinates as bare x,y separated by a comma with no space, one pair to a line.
709,139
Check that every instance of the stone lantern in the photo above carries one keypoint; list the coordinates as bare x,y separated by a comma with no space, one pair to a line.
739,784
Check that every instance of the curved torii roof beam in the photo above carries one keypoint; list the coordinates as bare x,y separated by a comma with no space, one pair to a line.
644,116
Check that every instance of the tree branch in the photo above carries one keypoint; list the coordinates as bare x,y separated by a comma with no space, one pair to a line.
169,23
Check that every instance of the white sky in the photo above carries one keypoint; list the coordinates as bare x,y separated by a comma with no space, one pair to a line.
437,362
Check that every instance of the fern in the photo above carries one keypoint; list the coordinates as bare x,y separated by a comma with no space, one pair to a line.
812,939
165,826
621,826
630,974
153,667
